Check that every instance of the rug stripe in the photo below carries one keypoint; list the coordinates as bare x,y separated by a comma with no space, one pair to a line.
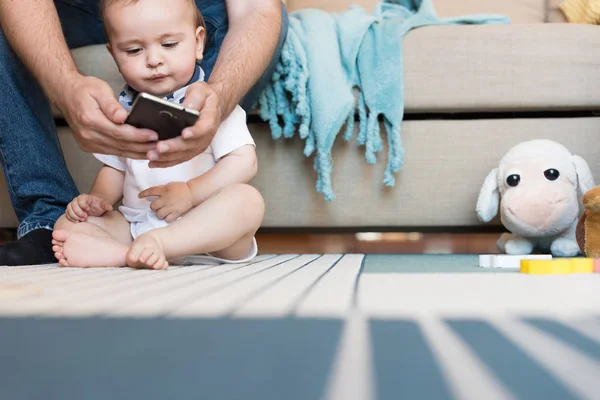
83,302
164,302
7,270
280,299
85,284
89,286
63,276
222,302
155,283
41,274
332,295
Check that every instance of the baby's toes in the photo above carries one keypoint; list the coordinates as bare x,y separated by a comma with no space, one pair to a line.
61,235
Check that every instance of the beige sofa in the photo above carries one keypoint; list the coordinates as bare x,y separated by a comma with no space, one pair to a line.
472,92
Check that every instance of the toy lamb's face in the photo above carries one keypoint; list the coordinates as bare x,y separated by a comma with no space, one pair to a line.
539,195
536,189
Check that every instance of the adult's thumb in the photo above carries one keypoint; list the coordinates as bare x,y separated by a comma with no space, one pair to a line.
112,109
194,98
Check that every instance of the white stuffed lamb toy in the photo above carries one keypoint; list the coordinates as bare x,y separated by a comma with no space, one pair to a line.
536,186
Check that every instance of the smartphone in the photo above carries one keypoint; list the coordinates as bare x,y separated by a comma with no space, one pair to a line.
163,117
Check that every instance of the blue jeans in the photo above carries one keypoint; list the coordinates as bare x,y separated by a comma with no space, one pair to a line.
39,184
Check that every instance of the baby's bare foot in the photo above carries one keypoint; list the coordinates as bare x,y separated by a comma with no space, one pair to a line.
147,252
57,248
76,249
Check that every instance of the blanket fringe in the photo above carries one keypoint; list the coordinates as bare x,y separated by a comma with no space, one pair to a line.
286,103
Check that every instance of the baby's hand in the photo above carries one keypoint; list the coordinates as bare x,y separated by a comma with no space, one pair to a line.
173,200
86,205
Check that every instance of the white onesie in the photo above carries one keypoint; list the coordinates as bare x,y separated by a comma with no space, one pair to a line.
231,135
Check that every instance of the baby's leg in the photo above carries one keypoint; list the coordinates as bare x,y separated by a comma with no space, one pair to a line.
224,225
98,242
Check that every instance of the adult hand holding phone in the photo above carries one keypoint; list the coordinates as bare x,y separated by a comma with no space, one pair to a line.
194,140
97,120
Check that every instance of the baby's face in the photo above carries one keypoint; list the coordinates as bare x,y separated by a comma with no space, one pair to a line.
155,44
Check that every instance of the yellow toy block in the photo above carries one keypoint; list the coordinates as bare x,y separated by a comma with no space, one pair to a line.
582,265
557,266
546,267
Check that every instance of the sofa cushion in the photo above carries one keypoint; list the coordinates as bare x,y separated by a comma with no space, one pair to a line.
519,11
473,68
502,68
445,165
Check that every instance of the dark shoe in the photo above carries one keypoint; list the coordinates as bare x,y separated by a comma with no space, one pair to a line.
33,248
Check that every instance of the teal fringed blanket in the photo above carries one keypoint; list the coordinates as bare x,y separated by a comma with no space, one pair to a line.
325,57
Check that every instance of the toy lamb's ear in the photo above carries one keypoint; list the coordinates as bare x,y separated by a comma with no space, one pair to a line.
489,197
585,179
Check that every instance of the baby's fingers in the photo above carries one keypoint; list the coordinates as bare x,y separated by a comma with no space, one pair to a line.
79,210
100,206
71,215
172,217
152,191
157,204
163,212
74,213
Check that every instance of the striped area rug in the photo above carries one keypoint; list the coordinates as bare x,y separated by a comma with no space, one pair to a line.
310,326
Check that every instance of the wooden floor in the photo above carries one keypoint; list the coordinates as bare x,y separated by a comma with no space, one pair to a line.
365,243
379,243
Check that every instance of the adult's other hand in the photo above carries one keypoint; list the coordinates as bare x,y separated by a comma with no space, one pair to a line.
97,120
195,139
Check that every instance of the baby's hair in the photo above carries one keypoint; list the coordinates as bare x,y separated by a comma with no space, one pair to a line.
105,4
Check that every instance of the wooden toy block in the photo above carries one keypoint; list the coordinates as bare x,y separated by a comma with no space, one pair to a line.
557,266
508,261
596,264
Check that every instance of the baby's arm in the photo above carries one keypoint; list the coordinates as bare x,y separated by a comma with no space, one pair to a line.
106,191
109,185
239,166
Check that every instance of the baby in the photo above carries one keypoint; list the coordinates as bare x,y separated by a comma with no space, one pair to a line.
202,206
